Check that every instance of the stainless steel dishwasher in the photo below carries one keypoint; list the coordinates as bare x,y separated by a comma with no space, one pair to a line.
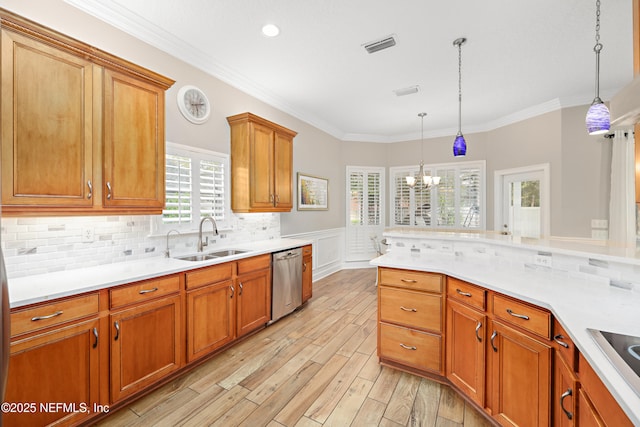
286,282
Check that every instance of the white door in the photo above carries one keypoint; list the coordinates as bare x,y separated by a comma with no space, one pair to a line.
523,198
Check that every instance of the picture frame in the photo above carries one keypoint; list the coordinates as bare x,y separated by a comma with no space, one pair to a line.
313,193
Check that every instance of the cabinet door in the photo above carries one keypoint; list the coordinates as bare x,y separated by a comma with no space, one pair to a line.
588,416
466,340
134,146
211,313
254,301
261,188
521,377
565,390
283,167
55,367
47,131
307,277
145,345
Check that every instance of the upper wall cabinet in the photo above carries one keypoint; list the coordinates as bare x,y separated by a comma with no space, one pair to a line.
261,165
82,130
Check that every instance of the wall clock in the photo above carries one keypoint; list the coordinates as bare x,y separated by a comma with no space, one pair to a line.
193,104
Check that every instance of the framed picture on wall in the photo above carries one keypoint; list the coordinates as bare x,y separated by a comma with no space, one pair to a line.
313,193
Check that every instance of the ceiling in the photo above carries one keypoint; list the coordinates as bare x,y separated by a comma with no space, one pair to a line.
521,58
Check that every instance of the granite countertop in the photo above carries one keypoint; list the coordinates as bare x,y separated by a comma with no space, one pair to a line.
43,287
578,305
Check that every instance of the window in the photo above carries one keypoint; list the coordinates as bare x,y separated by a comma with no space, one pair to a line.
365,212
457,202
195,186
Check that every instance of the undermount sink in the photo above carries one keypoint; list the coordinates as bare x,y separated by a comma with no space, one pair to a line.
201,257
211,255
227,252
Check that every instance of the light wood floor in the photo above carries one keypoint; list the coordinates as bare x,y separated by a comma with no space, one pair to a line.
316,367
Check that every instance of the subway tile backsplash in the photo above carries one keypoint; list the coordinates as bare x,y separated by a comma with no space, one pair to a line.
47,244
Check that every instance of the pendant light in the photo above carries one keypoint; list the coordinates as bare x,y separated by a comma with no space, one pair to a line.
427,180
598,119
459,145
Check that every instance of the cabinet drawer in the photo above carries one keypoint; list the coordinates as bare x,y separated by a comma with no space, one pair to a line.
467,293
307,250
535,320
254,263
143,291
565,346
410,308
411,279
43,316
209,275
413,348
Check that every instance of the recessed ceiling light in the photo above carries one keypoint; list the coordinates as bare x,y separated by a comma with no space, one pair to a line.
270,30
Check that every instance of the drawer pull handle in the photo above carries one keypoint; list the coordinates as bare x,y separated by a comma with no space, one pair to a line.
519,316
90,185
478,326
304,266
146,291
408,309
567,393
240,291
95,334
408,347
409,281
557,339
57,313
493,337
233,291
108,190
464,294
117,325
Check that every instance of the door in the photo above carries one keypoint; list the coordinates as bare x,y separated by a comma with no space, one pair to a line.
522,201
254,301
145,345
47,128
134,146
59,367
283,180
520,377
466,350
261,169
565,394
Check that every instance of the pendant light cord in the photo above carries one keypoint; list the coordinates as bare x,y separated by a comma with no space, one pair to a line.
460,88
597,48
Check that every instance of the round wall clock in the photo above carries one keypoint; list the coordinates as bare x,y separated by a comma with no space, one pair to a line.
193,104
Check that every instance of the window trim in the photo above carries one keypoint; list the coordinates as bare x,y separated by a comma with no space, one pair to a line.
431,169
159,226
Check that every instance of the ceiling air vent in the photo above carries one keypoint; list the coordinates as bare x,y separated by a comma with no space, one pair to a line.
378,45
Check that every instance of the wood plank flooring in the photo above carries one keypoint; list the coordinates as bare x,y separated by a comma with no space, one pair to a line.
316,367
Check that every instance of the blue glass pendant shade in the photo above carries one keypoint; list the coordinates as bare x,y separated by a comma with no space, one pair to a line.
598,118
459,146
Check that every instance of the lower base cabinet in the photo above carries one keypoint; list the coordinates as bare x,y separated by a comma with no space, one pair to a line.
50,369
145,345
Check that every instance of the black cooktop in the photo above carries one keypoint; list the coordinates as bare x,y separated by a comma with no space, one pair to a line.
624,352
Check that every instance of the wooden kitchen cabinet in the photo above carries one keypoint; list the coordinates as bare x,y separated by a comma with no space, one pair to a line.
211,309
55,358
519,363
145,338
261,165
253,289
307,273
82,130
466,350
410,320
565,393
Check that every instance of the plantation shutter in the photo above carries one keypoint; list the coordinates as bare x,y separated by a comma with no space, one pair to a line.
365,199
212,194
178,190
470,197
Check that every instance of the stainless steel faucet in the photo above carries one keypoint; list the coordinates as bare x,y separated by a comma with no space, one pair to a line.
201,245
166,251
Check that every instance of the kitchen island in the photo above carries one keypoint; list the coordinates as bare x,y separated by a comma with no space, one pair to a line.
585,287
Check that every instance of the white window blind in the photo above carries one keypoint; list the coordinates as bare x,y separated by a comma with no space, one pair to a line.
196,186
457,202
365,211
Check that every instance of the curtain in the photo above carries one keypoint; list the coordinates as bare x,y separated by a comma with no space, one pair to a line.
622,218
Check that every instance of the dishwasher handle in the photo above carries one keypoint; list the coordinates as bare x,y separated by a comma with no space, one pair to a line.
288,255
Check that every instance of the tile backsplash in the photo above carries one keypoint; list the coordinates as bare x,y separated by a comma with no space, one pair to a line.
47,244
